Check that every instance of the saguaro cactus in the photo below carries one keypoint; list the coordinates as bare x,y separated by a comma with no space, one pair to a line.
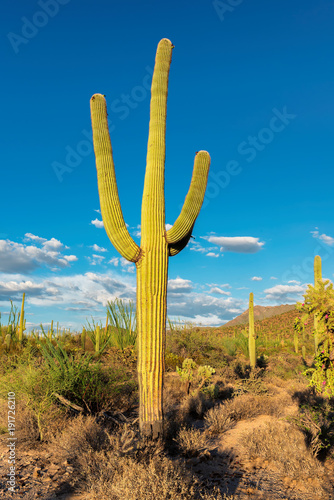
251,333
317,281
157,244
21,329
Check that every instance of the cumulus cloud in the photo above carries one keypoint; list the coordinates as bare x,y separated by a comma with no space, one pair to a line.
97,223
168,226
13,290
218,291
286,293
96,248
294,282
20,258
114,261
212,254
179,285
127,266
328,240
239,244
256,278
199,305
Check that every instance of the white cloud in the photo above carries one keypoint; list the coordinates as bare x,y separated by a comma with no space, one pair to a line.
239,244
127,266
97,223
96,248
256,278
328,240
287,293
219,291
273,278
179,285
294,282
212,254
114,261
20,258
168,226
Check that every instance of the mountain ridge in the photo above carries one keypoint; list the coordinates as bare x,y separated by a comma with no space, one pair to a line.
260,312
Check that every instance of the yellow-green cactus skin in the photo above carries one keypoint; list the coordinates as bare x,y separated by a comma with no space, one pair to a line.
317,280
157,244
21,320
251,333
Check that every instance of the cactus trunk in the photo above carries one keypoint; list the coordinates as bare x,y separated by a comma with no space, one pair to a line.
156,245
21,320
251,333
317,280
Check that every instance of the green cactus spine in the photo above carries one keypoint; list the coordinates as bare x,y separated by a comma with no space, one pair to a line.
317,281
21,329
157,244
251,333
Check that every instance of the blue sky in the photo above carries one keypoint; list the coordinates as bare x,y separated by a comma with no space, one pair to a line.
250,81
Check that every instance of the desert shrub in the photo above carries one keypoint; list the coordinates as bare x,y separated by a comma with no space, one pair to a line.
282,444
191,441
225,415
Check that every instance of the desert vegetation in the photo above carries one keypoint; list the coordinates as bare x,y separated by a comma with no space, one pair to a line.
230,430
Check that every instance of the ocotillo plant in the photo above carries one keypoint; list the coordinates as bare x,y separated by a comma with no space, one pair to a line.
317,281
21,320
157,244
251,333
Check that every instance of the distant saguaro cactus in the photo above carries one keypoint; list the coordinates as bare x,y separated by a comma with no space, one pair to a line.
251,333
21,328
157,244
317,281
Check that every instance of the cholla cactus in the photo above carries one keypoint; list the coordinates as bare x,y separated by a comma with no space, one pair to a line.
157,244
251,333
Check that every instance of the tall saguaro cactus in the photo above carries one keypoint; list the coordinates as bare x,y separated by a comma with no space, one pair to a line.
251,332
157,244
317,281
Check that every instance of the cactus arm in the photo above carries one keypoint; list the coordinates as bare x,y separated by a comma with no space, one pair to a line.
175,248
109,200
192,205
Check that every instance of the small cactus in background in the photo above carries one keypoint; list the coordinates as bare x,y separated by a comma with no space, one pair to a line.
295,340
157,244
21,329
8,340
97,339
251,333
304,352
83,339
317,281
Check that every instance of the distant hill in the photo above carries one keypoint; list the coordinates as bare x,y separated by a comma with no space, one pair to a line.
260,312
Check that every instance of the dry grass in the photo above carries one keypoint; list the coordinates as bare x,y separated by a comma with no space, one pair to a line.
121,466
191,441
284,446
82,435
223,417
